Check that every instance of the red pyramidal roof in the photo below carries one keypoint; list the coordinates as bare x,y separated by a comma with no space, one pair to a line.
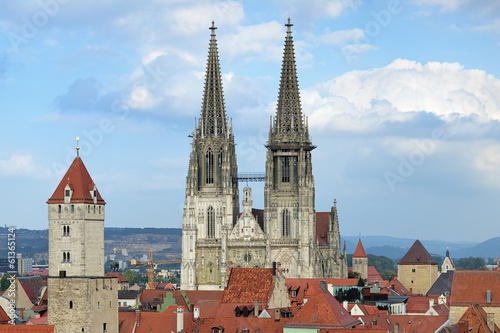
360,251
417,255
80,182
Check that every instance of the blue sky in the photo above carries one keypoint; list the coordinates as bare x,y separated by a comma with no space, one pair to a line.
403,100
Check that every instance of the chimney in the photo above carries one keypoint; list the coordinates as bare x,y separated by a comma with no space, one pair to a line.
345,304
431,302
322,284
396,328
463,326
196,312
277,315
256,308
21,312
180,319
488,296
137,317
490,319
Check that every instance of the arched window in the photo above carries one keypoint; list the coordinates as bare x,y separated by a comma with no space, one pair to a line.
64,257
72,208
211,222
59,209
71,304
285,223
209,167
68,257
67,230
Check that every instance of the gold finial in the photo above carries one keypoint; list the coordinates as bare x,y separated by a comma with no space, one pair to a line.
77,146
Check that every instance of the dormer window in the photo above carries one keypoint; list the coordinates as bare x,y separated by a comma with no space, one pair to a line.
67,194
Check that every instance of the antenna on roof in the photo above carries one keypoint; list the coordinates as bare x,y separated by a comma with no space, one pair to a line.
77,146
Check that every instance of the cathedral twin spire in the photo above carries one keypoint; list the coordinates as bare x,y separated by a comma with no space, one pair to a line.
213,120
289,125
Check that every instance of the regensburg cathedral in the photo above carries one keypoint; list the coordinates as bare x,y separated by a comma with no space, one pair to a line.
288,231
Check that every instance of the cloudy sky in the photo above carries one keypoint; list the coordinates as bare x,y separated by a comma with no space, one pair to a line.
403,100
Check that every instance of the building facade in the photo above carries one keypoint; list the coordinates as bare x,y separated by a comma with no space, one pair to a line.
80,297
215,237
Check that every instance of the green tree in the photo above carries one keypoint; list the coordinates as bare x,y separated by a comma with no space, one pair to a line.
470,264
131,276
5,282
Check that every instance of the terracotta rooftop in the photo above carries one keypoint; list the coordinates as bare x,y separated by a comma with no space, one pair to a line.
246,285
360,251
80,182
158,322
27,328
3,316
407,323
322,226
419,304
32,287
470,287
373,275
396,286
476,321
323,309
417,255
121,278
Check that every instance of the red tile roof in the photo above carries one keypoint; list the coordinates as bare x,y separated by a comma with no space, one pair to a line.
307,287
396,286
80,182
3,316
373,275
407,323
322,226
360,251
323,309
246,285
477,319
417,255
27,329
419,304
120,276
470,287
32,287
238,324
158,322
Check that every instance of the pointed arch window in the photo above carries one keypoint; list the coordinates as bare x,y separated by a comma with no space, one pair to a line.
211,222
219,167
209,167
285,169
285,230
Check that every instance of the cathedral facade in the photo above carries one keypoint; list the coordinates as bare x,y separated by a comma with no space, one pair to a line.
288,231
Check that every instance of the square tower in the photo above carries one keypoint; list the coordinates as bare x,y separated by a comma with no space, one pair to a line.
80,297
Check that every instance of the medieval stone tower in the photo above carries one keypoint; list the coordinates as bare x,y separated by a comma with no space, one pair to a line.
211,205
288,230
80,298
360,261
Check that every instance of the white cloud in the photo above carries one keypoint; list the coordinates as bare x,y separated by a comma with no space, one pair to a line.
446,5
263,40
359,98
21,165
343,36
314,9
492,27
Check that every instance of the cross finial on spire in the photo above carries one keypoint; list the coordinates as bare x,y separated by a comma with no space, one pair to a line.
77,146
334,202
213,27
289,27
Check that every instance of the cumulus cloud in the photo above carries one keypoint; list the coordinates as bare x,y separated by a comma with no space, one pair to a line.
21,165
360,100
83,94
315,9
341,37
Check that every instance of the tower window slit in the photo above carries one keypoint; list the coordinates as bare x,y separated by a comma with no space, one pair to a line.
285,169
286,223
209,167
211,222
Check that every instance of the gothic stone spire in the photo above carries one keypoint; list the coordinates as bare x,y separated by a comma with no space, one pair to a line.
289,124
213,114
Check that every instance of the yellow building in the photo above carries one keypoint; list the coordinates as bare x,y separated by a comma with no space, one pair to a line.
417,271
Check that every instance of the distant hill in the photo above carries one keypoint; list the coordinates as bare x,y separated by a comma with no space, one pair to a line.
129,243
396,248
488,249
